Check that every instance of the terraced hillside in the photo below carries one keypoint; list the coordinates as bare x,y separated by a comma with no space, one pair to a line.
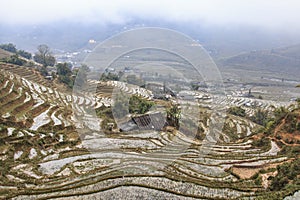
4,54
51,147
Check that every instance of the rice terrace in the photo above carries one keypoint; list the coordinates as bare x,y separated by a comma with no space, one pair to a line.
148,112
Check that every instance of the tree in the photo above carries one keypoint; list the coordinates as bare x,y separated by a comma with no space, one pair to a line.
65,74
63,69
44,56
24,54
9,47
174,115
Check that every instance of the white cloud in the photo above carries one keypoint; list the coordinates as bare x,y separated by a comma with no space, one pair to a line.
269,13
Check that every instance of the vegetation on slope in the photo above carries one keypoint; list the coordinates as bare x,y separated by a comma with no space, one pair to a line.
238,111
12,48
283,126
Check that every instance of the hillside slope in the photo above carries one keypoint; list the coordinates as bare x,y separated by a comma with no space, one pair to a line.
283,60
51,147
4,54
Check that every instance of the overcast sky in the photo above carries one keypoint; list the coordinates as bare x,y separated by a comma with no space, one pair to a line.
267,13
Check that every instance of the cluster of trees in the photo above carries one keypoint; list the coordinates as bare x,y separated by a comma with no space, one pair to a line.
45,57
265,118
110,77
65,74
292,123
12,48
68,77
14,59
9,47
260,117
271,120
287,174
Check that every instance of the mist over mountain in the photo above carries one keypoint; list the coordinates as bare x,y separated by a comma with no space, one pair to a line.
219,40
224,28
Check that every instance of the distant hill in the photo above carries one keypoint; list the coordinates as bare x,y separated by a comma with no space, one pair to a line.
290,51
283,60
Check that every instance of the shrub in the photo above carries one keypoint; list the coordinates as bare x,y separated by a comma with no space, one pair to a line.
287,174
263,142
260,117
65,74
15,59
24,54
138,105
238,111
109,76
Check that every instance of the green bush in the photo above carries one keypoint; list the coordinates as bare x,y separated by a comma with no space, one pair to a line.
287,174
238,111
278,183
138,105
14,59
263,142
260,117
109,77
65,74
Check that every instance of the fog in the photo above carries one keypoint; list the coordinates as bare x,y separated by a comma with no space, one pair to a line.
273,14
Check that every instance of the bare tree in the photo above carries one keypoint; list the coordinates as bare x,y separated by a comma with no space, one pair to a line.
44,56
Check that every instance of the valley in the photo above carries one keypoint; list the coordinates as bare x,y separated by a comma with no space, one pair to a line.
54,147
